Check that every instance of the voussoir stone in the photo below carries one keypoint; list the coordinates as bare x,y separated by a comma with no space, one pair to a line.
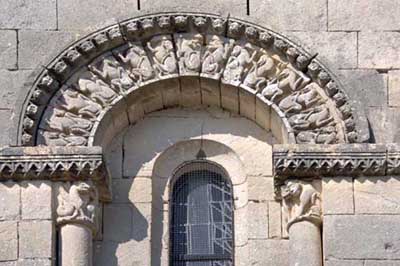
362,236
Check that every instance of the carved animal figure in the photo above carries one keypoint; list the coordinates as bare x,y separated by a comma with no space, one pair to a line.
325,135
285,83
67,123
163,56
74,102
113,73
238,62
79,203
97,90
189,50
139,64
215,56
316,117
300,100
261,71
300,202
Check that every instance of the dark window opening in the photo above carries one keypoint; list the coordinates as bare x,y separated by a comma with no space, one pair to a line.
201,230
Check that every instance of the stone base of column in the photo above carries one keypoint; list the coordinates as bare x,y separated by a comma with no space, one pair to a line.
76,245
305,244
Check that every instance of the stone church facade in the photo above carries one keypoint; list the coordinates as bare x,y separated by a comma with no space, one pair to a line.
178,133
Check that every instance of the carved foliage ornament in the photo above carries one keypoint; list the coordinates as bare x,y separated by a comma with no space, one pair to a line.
91,76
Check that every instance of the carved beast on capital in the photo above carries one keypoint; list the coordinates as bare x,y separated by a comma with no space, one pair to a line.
85,81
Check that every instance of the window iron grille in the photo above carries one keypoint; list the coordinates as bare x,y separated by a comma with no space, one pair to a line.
201,230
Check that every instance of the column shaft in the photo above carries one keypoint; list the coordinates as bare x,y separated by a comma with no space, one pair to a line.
76,245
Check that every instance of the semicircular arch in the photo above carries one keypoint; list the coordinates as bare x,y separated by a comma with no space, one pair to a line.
120,73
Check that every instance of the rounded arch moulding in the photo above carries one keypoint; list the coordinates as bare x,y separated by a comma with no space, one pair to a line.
136,59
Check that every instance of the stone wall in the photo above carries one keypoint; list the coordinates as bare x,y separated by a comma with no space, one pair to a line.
356,38
27,231
361,221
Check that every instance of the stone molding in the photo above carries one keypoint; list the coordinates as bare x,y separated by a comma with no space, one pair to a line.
85,81
56,164
334,160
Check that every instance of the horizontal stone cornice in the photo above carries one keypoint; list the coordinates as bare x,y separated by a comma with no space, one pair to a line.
56,164
336,160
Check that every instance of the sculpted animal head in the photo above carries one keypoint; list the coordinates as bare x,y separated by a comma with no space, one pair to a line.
291,190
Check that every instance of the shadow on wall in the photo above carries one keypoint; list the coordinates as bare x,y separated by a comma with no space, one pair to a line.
125,231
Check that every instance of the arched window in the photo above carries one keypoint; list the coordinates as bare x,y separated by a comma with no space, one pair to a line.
201,228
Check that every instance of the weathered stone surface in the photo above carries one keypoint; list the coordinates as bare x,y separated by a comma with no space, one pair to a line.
22,14
269,252
114,156
275,219
136,190
8,241
394,88
379,50
371,237
258,224
234,7
81,15
44,44
337,195
377,195
12,82
9,201
339,49
76,242
381,263
36,199
117,222
333,262
34,262
367,86
281,15
36,239
8,49
261,188
6,121
8,263
371,15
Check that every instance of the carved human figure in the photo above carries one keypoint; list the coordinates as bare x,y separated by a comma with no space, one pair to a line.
315,117
301,203
300,100
286,82
67,127
75,103
95,89
77,203
163,55
215,56
325,135
260,73
189,52
238,62
112,73
139,64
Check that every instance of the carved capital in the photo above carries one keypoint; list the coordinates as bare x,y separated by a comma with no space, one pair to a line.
77,203
301,202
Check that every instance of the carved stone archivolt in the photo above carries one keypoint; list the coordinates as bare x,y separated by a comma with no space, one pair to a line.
85,81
